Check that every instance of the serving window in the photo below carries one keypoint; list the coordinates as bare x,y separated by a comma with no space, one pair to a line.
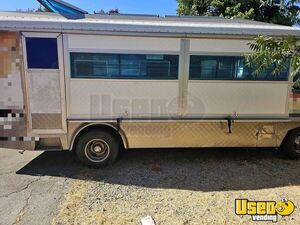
230,68
124,66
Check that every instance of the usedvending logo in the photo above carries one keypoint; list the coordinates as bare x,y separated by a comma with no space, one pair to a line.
264,210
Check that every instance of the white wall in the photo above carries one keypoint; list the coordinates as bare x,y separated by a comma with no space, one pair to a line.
100,42
219,46
98,98
143,98
122,98
244,98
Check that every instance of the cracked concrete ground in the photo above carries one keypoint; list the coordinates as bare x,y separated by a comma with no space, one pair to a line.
24,198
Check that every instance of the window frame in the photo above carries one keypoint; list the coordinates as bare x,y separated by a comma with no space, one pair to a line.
234,76
125,77
57,66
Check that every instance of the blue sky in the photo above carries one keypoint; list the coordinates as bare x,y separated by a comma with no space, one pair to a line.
157,7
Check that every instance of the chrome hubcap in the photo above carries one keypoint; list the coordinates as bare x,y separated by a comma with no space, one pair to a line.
97,150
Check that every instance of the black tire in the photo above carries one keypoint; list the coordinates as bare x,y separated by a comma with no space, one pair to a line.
291,144
97,148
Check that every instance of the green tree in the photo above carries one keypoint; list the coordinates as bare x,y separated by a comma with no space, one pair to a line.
40,9
273,11
110,12
278,53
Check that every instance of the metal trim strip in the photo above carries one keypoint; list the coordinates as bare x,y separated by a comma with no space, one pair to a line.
184,119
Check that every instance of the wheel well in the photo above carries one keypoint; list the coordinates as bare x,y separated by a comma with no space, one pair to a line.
105,127
288,133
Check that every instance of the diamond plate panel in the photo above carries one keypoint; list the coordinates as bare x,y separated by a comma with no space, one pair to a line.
205,134
189,134
46,121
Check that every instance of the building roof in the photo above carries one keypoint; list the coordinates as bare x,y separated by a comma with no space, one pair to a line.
152,24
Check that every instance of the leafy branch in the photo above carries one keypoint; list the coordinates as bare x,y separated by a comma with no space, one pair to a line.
285,12
269,52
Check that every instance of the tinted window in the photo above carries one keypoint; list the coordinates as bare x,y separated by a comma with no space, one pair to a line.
229,68
245,72
124,66
212,68
42,53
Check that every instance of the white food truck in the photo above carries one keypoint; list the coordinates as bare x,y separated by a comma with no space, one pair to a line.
101,82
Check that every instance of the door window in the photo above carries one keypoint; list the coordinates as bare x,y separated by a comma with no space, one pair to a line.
42,53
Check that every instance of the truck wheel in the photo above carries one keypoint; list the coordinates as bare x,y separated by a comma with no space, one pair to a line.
97,148
291,144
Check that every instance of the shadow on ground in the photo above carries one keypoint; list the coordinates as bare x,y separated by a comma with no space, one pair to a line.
187,169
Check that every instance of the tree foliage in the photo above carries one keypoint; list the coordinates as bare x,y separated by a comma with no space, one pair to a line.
274,11
110,12
40,9
278,53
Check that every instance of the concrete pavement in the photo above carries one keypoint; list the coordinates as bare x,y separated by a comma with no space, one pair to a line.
28,198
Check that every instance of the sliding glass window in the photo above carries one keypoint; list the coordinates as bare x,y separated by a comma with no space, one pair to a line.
124,66
230,68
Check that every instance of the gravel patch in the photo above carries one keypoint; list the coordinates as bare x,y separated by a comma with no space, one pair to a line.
180,187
